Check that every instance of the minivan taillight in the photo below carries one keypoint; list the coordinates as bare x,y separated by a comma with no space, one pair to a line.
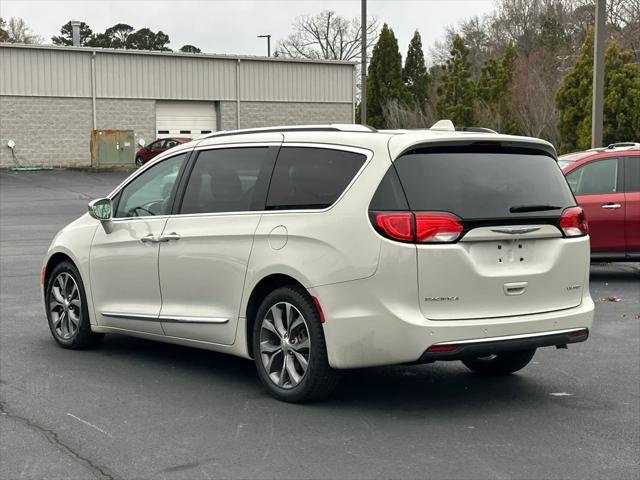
420,227
437,227
573,222
396,225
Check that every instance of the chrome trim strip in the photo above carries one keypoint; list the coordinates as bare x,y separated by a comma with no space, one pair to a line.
362,151
515,230
131,316
511,337
166,318
186,319
217,146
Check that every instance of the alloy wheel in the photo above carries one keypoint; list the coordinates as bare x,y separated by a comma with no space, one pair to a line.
65,306
285,345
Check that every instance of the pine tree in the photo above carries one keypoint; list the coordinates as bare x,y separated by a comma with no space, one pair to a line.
416,78
384,83
457,92
621,99
573,101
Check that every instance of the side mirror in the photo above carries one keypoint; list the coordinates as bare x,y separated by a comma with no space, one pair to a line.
100,209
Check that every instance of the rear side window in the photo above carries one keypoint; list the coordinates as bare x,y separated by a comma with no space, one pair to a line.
306,177
484,182
633,174
228,180
595,177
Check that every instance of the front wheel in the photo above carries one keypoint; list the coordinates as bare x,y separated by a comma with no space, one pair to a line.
500,363
67,310
139,162
289,347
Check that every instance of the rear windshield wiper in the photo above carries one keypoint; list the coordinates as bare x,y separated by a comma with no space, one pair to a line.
533,208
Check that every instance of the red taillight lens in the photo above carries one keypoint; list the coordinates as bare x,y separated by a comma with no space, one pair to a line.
437,227
396,225
441,348
573,222
425,227
579,333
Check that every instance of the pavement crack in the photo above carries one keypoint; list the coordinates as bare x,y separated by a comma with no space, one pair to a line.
53,438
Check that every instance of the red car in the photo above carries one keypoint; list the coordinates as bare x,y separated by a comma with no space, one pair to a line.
156,148
606,183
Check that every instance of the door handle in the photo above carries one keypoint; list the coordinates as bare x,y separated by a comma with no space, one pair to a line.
151,238
611,206
169,236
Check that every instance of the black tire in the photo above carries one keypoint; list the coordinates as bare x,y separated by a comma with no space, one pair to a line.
319,380
501,363
139,162
82,337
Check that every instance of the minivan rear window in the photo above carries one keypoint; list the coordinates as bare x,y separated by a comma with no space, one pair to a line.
484,183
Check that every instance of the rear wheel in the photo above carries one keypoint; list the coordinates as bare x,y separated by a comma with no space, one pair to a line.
139,162
289,347
500,363
67,310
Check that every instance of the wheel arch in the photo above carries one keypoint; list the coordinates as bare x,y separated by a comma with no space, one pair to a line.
53,261
263,288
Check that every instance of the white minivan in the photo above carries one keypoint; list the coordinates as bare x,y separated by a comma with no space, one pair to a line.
319,248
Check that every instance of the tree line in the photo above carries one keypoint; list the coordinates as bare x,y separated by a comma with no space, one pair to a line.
526,69
120,35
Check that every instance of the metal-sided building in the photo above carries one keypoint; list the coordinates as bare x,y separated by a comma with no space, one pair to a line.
52,98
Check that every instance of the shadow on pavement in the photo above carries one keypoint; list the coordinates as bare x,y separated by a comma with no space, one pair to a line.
443,386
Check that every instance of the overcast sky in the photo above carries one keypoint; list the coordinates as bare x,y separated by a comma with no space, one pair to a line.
231,26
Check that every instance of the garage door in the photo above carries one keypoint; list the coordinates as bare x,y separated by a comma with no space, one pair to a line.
185,119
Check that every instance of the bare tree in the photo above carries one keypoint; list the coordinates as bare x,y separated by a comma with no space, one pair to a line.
535,83
327,36
19,32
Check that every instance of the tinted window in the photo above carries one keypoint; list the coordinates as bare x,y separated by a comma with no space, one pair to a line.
483,183
389,195
633,174
150,192
595,177
311,177
227,180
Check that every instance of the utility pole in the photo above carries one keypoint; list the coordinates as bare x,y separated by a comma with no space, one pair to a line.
363,66
597,107
268,37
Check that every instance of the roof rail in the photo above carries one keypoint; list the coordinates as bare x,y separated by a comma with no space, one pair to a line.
475,129
623,144
333,127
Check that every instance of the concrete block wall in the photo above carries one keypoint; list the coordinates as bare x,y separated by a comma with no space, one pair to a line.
128,114
48,131
268,114
265,114
56,131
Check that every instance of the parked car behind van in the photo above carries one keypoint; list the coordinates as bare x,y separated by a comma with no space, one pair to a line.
156,148
606,183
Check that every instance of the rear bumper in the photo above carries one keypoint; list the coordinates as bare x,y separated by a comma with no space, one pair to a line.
492,345
369,326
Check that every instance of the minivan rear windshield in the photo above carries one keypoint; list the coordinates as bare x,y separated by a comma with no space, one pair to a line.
484,183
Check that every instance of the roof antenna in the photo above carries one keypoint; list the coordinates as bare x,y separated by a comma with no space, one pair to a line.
443,126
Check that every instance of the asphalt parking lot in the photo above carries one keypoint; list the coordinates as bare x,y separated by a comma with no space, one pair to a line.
135,409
